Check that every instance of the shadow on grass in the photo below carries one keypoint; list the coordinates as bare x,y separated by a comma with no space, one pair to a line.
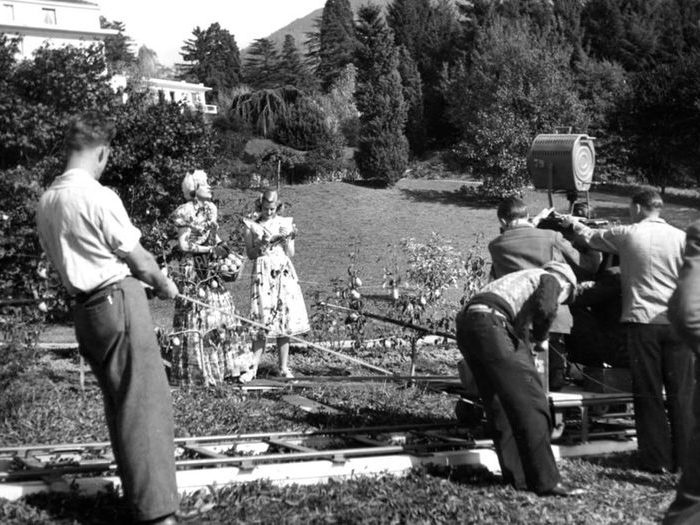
104,508
449,197
369,183
624,468
472,475
370,418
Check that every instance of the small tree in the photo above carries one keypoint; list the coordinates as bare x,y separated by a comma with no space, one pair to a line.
262,109
383,148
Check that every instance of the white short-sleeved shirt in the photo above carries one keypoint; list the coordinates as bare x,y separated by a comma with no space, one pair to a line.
84,229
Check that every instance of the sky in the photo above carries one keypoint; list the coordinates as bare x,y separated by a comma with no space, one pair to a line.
163,25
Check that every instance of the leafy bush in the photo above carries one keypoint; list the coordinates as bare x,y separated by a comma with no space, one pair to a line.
303,126
155,145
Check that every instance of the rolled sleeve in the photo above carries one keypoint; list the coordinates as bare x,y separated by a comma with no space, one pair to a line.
119,233
603,240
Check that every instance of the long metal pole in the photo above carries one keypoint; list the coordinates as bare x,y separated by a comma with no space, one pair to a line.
384,318
292,337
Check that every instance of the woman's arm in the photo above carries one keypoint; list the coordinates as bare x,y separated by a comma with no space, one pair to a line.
183,240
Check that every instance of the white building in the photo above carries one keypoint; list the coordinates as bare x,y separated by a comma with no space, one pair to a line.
191,95
52,22
77,22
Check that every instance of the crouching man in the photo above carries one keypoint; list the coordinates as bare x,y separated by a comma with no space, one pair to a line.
493,336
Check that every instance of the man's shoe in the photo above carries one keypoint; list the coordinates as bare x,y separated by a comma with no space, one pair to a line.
563,490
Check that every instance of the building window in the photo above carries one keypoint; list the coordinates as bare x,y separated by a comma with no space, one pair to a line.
49,16
8,13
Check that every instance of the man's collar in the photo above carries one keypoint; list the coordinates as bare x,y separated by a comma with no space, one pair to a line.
519,223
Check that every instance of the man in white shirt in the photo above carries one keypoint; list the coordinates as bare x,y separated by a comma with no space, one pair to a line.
651,255
87,235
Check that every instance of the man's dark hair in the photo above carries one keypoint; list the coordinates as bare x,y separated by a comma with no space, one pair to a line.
512,208
88,130
648,199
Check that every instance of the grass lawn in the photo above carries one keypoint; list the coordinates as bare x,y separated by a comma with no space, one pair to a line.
43,403
337,219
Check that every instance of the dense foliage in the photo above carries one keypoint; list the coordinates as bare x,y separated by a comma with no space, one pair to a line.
383,149
211,57
154,146
519,85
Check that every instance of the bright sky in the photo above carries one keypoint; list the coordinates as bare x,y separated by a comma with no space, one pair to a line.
163,25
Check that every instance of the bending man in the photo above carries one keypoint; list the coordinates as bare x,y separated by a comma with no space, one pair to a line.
493,336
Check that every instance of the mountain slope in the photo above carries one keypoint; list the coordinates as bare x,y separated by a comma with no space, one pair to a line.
299,27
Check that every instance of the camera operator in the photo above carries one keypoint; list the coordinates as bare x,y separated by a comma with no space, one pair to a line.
520,246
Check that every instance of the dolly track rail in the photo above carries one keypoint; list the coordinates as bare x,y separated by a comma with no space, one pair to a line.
35,462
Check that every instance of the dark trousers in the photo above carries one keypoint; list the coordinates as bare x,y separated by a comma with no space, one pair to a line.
659,360
515,403
685,510
116,337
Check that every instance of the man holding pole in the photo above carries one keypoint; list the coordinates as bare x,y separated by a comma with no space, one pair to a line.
87,235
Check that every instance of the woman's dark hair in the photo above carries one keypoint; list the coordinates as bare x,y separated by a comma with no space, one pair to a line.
544,303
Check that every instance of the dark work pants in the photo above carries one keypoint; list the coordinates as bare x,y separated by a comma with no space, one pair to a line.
116,336
659,360
515,403
685,510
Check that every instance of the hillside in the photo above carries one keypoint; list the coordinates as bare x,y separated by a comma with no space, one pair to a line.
299,27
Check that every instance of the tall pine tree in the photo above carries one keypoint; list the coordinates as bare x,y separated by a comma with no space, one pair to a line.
119,54
383,148
413,96
261,65
212,58
292,71
336,41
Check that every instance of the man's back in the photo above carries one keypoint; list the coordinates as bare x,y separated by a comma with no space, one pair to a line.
522,248
651,255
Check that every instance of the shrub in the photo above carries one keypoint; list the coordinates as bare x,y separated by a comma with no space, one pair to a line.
302,126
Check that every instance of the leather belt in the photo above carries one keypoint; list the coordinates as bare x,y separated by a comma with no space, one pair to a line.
83,297
485,309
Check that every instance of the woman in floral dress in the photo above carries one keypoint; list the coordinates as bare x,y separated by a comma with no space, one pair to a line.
276,298
207,345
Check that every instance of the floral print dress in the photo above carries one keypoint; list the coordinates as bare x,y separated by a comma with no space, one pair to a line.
210,343
276,300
